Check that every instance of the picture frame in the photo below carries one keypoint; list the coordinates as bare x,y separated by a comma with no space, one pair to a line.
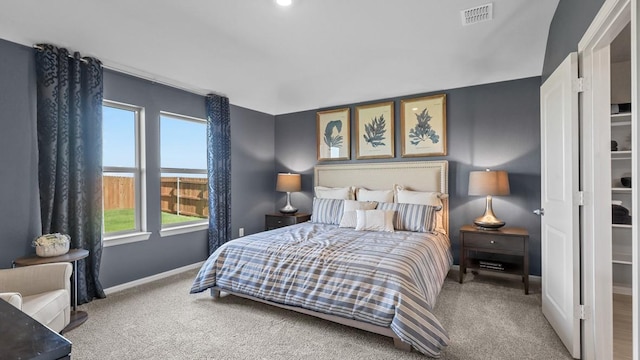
333,134
375,137
423,123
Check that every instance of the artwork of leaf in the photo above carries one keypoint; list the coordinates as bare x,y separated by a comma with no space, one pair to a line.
423,131
331,139
375,131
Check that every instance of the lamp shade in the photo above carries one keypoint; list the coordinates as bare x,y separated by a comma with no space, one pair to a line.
488,182
288,183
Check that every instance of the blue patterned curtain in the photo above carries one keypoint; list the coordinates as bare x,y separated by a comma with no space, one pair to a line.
219,170
70,156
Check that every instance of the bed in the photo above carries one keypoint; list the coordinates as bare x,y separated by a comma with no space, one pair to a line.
383,282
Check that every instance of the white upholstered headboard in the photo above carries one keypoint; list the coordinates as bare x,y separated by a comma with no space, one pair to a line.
415,175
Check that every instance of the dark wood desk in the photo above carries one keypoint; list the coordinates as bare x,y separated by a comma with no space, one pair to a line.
77,317
25,338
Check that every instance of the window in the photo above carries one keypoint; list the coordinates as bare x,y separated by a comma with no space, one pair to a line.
122,188
183,162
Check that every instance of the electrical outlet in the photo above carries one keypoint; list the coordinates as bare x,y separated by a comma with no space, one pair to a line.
241,232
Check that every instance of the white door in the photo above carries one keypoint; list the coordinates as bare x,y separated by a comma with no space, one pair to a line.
559,177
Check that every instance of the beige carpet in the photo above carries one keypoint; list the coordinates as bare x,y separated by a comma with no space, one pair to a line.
487,318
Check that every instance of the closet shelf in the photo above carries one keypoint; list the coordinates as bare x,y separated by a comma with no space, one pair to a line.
622,226
621,123
621,190
621,155
619,116
625,259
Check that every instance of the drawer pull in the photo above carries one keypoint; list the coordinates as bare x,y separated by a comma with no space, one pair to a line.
279,221
493,242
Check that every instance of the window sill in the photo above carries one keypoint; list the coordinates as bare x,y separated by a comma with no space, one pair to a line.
176,230
125,239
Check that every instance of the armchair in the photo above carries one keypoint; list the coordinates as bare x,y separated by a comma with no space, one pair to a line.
41,291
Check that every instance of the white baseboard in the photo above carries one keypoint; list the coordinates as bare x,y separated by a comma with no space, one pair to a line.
532,278
148,279
622,289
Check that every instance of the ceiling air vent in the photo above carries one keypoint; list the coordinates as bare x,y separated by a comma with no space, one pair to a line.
477,14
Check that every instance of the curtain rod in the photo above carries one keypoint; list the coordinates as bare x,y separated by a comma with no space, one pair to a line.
149,77
40,48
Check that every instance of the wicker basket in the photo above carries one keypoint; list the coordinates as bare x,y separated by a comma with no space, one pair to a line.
52,250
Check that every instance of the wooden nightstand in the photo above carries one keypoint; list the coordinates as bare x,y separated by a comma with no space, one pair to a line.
509,241
274,221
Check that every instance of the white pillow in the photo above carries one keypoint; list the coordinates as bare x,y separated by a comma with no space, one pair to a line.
350,206
405,196
345,193
374,220
363,194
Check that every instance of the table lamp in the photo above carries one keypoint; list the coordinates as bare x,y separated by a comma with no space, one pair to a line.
288,183
488,183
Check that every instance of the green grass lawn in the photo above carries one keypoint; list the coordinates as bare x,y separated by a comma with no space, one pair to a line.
123,219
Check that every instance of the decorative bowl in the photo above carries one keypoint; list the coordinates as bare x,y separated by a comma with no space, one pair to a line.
52,250
626,181
49,245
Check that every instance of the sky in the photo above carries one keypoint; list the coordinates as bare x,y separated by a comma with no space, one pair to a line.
183,144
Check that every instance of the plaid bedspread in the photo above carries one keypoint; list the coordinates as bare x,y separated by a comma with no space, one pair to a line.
386,279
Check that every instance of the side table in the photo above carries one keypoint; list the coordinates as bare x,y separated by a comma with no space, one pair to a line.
507,241
77,317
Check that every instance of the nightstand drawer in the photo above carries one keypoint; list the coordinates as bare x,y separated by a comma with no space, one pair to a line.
279,221
274,221
494,242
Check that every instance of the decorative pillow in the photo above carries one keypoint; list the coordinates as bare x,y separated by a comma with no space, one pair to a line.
349,214
406,196
374,220
363,194
412,217
403,195
327,211
323,192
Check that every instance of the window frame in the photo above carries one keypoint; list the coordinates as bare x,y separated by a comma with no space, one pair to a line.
187,226
140,232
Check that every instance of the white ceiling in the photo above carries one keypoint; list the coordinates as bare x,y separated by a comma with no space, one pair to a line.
315,53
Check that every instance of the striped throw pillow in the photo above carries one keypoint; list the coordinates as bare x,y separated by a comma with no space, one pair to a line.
327,211
412,217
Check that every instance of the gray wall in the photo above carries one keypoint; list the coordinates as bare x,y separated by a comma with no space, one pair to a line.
488,126
252,164
570,21
252,156
19,196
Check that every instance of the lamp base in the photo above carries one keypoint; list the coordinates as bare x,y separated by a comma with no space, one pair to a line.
288,209
488,227
488,221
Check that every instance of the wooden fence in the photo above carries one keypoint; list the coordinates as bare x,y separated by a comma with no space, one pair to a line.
184,196
178,195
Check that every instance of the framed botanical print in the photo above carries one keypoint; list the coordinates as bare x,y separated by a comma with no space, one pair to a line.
423,123
333,135
374,131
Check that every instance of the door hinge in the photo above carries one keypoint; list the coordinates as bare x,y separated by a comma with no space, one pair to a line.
582,312
580,198
579,85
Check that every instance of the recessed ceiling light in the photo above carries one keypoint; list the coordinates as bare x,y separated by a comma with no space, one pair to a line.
283,2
